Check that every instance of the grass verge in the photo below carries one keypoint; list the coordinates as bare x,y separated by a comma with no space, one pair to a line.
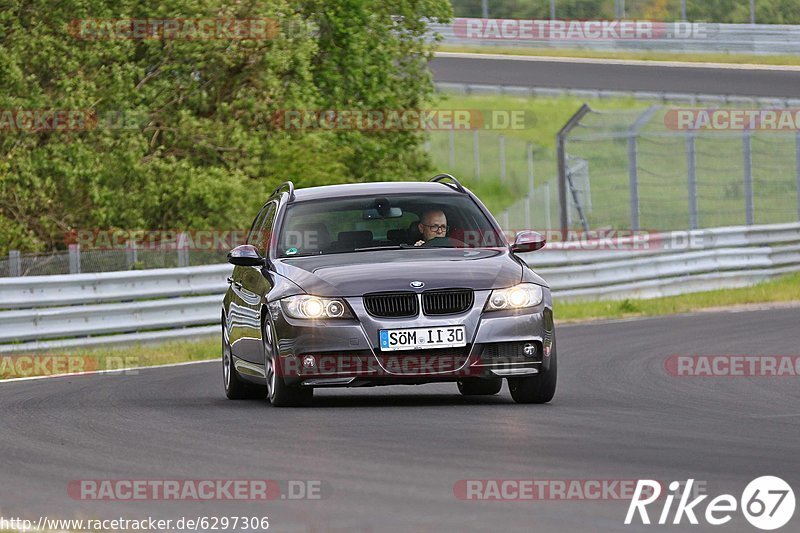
782,289
70,360
689,57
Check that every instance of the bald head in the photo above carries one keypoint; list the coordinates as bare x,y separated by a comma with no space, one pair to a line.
433,217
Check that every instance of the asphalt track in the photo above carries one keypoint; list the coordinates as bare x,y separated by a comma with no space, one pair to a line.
388,458
616,75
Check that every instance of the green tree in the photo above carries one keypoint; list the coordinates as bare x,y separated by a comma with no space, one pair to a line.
186,137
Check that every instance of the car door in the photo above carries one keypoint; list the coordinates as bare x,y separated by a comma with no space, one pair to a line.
250,287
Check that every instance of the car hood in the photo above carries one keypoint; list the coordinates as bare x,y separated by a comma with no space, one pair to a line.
353,274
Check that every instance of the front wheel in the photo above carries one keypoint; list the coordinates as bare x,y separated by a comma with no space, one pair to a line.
480,387
282,395
535,389
235,387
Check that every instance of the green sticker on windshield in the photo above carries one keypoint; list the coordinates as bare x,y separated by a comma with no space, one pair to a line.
291,251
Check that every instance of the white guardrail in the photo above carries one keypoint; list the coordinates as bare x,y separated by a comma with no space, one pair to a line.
44,312
674,37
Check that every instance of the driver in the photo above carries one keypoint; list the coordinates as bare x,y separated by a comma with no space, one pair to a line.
433,224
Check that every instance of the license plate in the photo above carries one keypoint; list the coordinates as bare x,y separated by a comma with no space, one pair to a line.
423,338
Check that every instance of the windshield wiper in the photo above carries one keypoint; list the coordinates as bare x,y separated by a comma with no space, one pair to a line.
305,254
386,247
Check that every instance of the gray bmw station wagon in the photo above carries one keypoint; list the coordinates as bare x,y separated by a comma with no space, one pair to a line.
384,284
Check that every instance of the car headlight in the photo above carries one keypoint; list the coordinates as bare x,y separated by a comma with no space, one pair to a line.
305,306
516,297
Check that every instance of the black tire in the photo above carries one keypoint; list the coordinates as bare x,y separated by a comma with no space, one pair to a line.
480,387
535,389
235,387
280,394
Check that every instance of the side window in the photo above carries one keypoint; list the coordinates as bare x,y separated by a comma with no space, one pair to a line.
259,220
263,232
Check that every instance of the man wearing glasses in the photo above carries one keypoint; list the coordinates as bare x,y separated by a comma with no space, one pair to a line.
433,224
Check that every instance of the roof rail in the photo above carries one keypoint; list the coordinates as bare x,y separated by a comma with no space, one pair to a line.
457,185
283,185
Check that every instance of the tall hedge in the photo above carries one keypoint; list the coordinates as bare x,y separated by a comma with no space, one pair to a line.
185,136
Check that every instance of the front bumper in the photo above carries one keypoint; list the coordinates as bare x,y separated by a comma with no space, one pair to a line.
346,352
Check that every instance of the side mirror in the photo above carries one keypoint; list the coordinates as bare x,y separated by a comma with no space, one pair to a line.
245,255
528,241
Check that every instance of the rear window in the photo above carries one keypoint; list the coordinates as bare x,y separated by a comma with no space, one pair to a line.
344,225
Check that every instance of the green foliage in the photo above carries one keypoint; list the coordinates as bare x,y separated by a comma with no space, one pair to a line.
626,306
186,137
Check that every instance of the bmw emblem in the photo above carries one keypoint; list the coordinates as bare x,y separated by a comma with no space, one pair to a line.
417,284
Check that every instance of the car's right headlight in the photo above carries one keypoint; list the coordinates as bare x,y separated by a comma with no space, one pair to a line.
307,307
516,297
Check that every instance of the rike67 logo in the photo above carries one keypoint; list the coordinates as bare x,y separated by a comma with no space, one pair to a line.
767,503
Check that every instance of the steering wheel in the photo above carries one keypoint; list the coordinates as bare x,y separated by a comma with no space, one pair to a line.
448,242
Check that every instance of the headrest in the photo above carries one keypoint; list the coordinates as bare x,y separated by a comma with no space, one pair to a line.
355,238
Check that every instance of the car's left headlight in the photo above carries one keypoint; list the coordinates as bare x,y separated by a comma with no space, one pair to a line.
305,306
516,297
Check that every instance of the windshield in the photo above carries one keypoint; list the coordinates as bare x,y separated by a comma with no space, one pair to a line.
349,225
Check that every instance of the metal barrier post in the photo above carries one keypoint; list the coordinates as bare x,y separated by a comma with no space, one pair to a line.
14,263
131,254
561,140
633,181
527,212
548,223
748,177
691,158
183,250
451,138
633,166
502,158
529,199
530,169
797,170
476,154
74,259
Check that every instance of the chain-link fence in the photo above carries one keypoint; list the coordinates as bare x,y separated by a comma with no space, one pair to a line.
77,261
655,169
687,168
498,168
